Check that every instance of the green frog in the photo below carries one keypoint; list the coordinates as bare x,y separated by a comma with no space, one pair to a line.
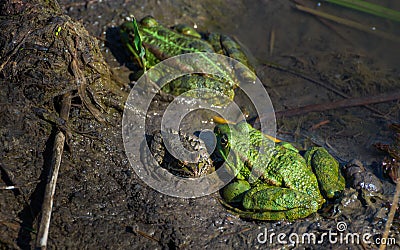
289,186
161,43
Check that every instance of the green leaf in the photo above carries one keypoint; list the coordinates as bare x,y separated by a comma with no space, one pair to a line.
138,43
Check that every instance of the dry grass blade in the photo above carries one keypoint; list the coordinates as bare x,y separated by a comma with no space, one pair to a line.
147,236
369,8
349,23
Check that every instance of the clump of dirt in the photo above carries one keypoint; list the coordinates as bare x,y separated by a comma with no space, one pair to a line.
44,54
391,163
99,201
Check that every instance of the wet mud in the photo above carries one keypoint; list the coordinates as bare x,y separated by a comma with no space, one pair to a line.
101,202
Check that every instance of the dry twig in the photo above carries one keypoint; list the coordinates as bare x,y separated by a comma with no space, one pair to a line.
362,101
326,86
392,212
47,206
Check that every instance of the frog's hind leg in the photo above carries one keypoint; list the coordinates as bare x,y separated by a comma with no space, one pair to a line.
268,202
327,171
228,46
234,50
290,215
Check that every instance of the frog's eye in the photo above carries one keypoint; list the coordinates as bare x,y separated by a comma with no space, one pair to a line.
224,140
149,21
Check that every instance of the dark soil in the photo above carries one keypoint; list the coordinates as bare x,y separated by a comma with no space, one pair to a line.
100,202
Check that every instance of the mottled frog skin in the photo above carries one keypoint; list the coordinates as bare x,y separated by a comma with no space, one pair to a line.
161,43
202,164
289,187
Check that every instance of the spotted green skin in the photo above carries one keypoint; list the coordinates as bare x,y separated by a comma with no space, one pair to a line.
161,43
288,187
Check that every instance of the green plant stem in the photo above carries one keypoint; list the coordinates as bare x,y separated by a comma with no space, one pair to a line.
349,23
369,8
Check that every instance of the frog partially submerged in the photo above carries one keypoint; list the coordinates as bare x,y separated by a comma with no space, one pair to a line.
289,186
161,43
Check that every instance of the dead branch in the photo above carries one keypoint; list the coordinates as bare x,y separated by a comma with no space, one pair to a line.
47,206
362,101
326,86
392,212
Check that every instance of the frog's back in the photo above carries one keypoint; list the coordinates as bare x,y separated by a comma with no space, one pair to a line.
291,168
167,41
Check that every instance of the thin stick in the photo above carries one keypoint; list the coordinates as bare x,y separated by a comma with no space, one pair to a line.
9,188
390,216
362,101
324,21
47,206
326,86
13,187
146,235
271,41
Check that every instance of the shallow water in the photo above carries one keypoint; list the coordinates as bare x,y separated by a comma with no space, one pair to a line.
107,205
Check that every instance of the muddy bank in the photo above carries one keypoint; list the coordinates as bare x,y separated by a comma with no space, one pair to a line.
99,199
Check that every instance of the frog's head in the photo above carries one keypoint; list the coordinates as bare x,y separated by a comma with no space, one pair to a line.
229,137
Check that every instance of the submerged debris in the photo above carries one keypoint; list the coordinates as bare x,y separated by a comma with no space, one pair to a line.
359,178
391,163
